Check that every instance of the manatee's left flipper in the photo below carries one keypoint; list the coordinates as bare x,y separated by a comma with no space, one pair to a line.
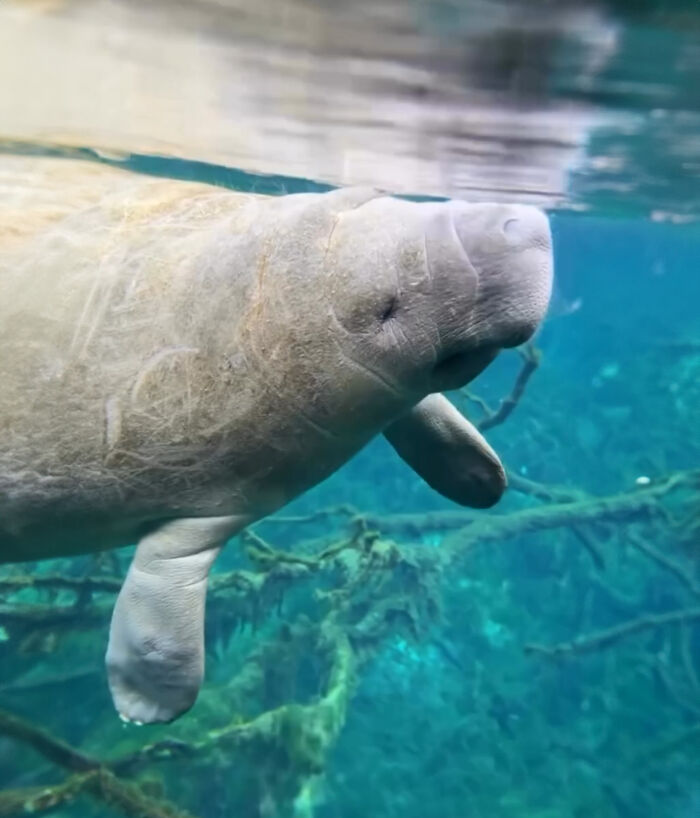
449,453
155,658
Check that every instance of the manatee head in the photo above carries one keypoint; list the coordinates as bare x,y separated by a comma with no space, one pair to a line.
376,301
429,293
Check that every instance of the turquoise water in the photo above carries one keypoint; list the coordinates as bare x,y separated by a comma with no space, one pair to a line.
537,660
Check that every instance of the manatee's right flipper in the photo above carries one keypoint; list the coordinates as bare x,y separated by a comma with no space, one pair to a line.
449,453
155,658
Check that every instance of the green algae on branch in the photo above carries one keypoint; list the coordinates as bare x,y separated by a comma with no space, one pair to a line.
100,784
292,738
289,744
37,800
90,778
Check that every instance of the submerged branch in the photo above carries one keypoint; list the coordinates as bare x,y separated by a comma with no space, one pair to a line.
57,582
474,528
603,639
531,357
45,744
91,777
590,546
100,784
38,800
667,564
541,491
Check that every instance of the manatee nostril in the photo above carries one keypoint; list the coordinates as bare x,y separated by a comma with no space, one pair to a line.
510,226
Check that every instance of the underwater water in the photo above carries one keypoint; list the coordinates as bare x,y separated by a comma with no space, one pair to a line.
372,648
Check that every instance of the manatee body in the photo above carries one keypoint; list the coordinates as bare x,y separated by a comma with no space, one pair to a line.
179,361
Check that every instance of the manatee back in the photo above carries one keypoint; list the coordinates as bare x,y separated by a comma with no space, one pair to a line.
106,337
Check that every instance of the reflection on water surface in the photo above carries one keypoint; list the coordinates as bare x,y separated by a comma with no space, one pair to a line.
478,98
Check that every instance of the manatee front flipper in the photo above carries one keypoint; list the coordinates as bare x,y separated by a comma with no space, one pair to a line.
450,454
155,658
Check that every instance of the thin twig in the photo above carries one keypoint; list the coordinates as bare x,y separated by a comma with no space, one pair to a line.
590,545
666,563
541,491
606,638
531,357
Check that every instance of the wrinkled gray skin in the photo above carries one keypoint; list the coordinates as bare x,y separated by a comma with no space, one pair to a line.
179,361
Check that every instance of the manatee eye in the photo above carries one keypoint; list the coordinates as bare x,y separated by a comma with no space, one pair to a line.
389,310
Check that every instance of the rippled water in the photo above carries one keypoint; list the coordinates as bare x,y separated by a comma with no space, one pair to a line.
574,104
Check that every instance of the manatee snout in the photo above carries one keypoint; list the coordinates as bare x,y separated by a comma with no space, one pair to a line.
494,264
509,249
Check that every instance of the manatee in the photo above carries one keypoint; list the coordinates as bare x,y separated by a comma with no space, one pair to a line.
180,360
